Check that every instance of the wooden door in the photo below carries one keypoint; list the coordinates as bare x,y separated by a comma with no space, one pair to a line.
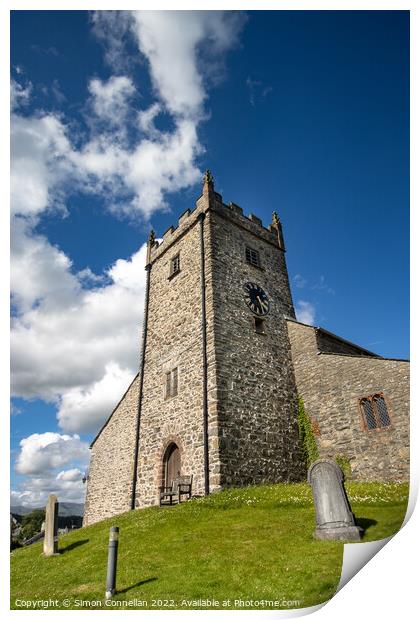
173,464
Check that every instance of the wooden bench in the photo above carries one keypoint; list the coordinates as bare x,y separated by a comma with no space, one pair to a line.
181,485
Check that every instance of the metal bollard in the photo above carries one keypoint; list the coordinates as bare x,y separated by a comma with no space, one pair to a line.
111,576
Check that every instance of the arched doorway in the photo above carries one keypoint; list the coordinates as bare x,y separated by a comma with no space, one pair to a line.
171,463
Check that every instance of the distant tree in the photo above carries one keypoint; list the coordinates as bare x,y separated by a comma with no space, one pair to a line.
31,523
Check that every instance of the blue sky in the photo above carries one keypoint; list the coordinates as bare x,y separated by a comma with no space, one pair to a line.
116,116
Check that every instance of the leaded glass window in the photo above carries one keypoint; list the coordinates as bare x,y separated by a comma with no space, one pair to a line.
375,412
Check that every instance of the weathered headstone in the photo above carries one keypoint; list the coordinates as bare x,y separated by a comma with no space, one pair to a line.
51,526
334,518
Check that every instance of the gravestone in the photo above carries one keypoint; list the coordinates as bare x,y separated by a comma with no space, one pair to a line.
51,526
334,518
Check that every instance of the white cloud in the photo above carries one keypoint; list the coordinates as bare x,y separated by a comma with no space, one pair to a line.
86,409
42,452
169,41
146,120
172,42
57,92
19,95
112,29
40,272
75,335
45,160
87,275
257,91
321,285
70,475
34,491
40,163
110,100
66,339
299,281
42,458
305,312
164,165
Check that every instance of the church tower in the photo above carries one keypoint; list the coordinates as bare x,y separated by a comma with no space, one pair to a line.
217,392
215,396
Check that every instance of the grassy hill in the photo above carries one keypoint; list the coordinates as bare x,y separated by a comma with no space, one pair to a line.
249,544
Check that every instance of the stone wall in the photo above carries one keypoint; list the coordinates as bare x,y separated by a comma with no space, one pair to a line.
256,393
329,343
252,403
111,462
331,386
174,340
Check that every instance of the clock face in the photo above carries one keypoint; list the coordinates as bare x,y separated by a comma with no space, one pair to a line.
256,299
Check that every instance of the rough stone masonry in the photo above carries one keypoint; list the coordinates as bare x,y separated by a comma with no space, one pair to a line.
216,395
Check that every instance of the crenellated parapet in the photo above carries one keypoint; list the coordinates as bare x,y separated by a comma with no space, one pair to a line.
212,200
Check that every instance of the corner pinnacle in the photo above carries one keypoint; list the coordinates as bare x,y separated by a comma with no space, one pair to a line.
276,220
208,181
150,245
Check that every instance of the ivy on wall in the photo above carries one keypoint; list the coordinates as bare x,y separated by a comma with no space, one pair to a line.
306,435
344,463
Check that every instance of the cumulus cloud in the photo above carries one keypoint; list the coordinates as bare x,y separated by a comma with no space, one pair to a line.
70,475
19,94
160,163
110,99
133,178
85,409
34,491
112,29
66,338
42,458
305,312
146,120
74,337
40,164
40,272
42,452
173,42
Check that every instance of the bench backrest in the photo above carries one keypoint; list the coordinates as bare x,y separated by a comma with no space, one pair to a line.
184,480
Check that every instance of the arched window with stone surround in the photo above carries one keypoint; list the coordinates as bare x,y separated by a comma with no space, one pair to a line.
375,412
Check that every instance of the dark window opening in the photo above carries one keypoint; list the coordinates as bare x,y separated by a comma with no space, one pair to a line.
375,412
368,413
259,325
175,265
382,410
252,257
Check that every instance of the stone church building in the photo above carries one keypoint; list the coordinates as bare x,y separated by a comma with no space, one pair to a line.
223,361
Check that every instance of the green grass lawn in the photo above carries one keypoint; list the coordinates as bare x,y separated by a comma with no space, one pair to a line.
248,544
